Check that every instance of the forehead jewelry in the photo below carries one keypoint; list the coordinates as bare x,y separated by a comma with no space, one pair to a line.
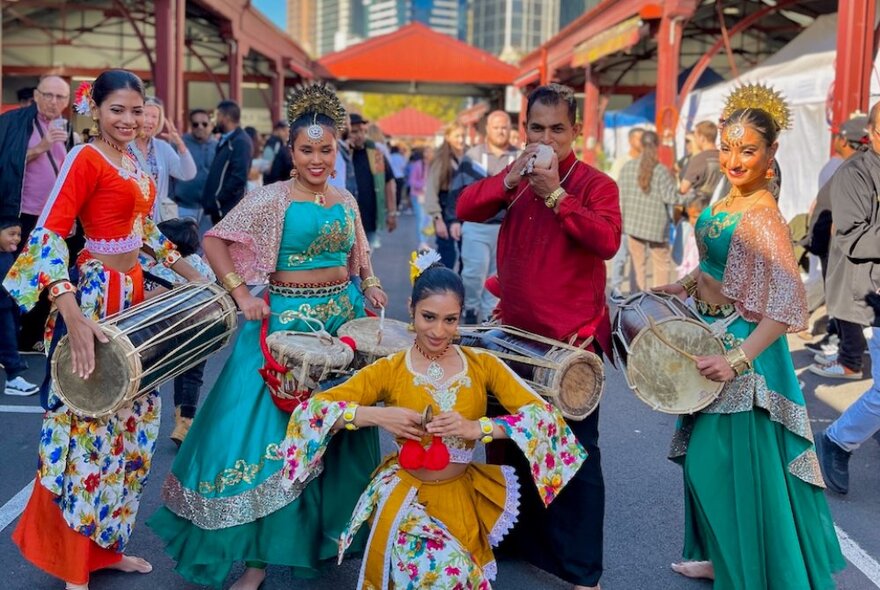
735,134
315,132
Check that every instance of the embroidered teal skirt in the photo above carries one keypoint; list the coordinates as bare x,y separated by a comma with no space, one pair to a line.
223,499
754,498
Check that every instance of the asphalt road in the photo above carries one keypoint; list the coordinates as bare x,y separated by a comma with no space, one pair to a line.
644,512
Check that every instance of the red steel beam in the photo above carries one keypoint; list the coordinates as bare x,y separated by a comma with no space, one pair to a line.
855,57
236,69
163,70
179,43
591,116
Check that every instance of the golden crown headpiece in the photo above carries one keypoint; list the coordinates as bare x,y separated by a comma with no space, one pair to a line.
317,98
759,96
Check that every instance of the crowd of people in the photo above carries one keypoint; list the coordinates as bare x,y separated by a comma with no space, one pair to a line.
88,229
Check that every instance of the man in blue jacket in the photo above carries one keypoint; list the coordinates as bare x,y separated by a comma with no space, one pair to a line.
227,179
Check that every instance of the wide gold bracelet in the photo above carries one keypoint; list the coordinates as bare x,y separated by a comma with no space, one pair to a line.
738,360
60,288
486,428
689,284
232,281
370,281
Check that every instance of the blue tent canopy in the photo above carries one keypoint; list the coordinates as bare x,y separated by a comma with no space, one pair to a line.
644,109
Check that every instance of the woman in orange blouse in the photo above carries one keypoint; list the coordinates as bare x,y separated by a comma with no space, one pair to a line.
92,471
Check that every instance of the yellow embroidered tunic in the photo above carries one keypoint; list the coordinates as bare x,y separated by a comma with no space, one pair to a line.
425,531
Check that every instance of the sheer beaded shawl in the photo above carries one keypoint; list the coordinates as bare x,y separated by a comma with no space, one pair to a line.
255,226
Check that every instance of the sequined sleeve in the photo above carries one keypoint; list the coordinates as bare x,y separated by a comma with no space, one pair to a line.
43,261
538,429
762,275
359,257
254,228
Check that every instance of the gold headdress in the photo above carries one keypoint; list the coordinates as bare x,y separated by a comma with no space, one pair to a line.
318,98
758,96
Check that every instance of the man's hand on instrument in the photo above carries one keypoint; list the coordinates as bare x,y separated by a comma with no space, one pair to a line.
376,296
672,289
545,180
716,368
453,424
402,422
252,307
516,169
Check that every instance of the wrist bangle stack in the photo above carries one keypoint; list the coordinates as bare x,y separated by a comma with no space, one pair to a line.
689,284
370,281
738,360
171,258
231,281
348,416
486,428
60,288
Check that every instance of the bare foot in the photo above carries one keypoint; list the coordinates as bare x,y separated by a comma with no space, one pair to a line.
251,579
132,565
695,569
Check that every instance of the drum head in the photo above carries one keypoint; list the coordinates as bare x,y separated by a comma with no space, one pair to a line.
365,332
107,387
295,348
581,383
665,379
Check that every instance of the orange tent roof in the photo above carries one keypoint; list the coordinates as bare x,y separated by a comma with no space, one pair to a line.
416,53
410,122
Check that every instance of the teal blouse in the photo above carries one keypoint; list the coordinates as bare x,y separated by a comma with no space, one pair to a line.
315,236
714,233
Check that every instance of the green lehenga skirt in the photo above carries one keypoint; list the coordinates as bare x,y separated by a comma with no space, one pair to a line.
754,498
224,501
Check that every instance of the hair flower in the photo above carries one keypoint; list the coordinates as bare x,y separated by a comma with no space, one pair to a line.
420,262
81,103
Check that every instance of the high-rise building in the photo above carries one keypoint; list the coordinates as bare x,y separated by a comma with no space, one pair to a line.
444,16
325,26
513,28
571,9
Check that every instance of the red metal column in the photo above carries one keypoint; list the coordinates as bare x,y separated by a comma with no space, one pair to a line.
179,113
668,50
236,69
591,116
278,92
855,57
163,71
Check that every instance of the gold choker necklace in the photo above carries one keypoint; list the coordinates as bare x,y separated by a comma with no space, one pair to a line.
319,197
435,372
114,145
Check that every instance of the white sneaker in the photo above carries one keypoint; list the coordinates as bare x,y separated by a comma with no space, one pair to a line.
20,387
825,359
835,371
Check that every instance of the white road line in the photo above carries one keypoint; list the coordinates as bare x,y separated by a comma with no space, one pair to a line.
858,557
22,409
14,507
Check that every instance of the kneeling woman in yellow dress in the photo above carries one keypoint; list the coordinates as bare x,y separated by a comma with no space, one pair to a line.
434,514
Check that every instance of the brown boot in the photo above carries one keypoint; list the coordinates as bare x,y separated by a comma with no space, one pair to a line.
181,427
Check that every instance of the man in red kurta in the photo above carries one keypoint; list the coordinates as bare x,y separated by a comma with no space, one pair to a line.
562,223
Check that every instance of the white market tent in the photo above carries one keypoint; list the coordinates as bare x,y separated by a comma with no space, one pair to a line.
803,71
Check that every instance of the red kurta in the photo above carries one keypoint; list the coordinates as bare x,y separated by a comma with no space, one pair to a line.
551,265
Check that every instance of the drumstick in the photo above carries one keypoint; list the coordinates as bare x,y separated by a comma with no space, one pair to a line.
653,327
381,325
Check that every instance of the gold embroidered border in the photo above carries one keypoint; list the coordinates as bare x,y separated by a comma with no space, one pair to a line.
750,391
241,471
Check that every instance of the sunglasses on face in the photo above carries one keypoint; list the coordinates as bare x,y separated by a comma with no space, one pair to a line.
200,123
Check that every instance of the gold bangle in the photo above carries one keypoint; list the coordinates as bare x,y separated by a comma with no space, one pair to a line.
486,428
60,288
738,361
689,284
370,281
348,416
171,258
232,281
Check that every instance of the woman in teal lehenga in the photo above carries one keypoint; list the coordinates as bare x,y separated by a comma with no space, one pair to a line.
223,499
755,510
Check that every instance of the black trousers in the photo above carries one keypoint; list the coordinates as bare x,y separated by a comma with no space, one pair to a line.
564,539
187,386
851,350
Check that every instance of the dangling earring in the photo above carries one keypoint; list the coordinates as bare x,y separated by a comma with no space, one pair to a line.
770,174
333,173
411,327
94,131
294,174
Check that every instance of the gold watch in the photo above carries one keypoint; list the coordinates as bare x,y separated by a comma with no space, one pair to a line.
553,198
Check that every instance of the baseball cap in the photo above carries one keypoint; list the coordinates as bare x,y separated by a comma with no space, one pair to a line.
854,130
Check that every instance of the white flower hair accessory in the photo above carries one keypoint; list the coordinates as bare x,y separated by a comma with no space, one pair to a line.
82,98
420,262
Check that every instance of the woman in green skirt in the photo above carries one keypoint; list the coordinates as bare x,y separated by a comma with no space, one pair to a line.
223,499
755,510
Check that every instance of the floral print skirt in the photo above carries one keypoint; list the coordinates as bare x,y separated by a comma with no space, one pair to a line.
428,534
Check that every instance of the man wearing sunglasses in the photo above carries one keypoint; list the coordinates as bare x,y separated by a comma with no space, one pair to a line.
34,141
202,145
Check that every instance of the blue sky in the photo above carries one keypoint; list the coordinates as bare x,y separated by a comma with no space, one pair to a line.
275,10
